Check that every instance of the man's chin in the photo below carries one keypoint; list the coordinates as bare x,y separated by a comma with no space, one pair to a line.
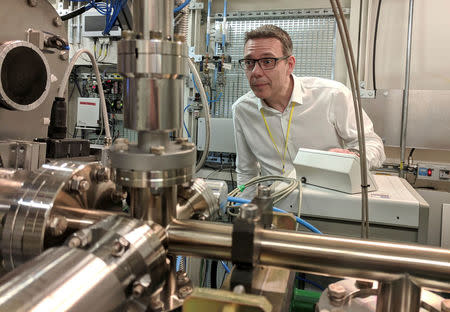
260,94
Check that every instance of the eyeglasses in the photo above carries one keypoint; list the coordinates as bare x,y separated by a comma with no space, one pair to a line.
265,62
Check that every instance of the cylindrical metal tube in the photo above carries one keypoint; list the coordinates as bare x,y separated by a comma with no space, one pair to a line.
327,255
406,90
153,16
97,278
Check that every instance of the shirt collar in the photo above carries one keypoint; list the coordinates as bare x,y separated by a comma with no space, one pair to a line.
296,96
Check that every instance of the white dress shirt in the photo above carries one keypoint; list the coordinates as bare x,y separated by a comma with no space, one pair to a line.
323,118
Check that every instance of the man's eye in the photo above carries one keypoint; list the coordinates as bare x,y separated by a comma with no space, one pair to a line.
267,61
249,62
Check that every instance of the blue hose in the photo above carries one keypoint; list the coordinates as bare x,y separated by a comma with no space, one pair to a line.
299,220
181,7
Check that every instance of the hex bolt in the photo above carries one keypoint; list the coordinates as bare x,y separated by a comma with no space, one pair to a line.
127,34
263,191
179,37
181,140
57,225
156,35
249,212
187,145
119,246
32,3
74,242
157,149
84,186
57,21
336,291
182,278
445,305
78,184
185,291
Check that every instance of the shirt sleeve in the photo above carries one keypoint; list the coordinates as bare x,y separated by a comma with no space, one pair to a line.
343,115
246,162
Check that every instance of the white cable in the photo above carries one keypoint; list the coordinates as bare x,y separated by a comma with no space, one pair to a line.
64,81
199,83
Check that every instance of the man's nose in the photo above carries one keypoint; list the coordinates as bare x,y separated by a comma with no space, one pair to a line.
257,70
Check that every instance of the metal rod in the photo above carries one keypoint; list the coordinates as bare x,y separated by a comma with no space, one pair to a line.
353,76
406,91
317,254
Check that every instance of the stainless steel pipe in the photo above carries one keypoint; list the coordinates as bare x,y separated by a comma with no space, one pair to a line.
325,255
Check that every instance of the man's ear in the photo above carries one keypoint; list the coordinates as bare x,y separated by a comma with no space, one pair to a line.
291,64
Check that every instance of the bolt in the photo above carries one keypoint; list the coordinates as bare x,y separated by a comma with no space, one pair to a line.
336,291
181,140
57,21
187,146
263,191
57,225
80,239
138,289
32,3
102,174
249,212
179,37
64,55
363,284
84,186
157,149
182,278
185,291
156,35
127,34
74,242
119,246
121,144
239,289
445,305
78,184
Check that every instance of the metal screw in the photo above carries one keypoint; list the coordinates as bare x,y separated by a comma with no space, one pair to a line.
263,191
445,305
249,212
80,238
64,55
239,289
181,140
57,225
185,291
187,146
119,247
32,3
336,291
157,150
57,21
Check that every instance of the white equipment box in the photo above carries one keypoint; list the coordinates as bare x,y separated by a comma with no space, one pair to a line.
335,171
88,113
222,135
93,24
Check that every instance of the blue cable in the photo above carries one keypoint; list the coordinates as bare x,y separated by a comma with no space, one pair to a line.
225,266
184,124
181,7
178,263
310,282
299,220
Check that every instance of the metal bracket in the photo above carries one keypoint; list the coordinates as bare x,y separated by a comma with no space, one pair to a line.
366,94
194,5
196,57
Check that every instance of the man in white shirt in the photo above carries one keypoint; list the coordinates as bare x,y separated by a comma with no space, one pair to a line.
283,112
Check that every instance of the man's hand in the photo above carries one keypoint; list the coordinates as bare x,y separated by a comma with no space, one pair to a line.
343,151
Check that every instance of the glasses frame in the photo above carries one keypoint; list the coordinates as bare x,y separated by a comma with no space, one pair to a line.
276,59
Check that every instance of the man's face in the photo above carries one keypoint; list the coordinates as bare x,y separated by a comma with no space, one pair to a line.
268,84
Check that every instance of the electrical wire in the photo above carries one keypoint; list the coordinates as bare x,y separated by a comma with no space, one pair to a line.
303,279
375,36
181,7
298,219
184,123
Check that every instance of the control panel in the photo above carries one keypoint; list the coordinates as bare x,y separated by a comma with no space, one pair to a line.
433,171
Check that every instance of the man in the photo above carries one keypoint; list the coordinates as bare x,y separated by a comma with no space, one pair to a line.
283,112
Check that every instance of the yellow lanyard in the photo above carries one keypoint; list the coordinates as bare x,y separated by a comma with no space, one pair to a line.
287,135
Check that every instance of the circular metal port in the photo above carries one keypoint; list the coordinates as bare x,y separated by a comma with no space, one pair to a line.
24,76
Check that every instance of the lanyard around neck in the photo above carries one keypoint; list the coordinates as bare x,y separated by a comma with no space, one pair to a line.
287,136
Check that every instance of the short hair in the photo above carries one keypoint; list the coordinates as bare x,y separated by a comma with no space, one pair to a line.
272,31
